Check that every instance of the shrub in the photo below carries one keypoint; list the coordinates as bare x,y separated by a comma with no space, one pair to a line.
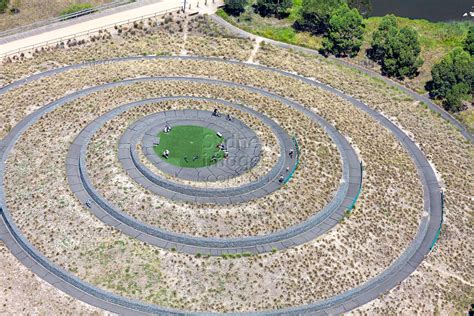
278,8
469,42
73,8
235,7
3,5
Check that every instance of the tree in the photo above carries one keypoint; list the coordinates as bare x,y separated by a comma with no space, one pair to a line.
455,96
278,8
452,79
315,15
396,50
235,7
387,29
469,42
345,32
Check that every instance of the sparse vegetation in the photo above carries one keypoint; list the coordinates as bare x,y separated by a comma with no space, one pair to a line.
77,7
4,5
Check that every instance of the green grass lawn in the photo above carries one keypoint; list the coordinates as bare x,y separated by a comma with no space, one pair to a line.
190,146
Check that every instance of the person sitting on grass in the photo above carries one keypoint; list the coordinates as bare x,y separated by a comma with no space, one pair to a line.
167,128
195,158
186,159
216,113
166,154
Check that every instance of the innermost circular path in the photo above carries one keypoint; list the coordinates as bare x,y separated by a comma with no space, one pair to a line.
399,270
240,142
79,179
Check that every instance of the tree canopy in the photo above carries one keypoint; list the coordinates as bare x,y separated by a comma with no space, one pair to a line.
396,49
453,79
278,8
469,42
3,5
315,15
235,7
345,32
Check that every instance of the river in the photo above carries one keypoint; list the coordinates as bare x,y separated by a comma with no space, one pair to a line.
433,10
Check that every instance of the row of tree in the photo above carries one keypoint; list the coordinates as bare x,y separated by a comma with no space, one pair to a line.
396,49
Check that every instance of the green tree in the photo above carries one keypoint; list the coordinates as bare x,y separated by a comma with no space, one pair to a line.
3,5
315,15
452,79
235,7
387,30
345,33
458,93
396,50
469,42
278,8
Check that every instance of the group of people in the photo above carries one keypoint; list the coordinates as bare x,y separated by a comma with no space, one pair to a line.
281,179
166,129
216,113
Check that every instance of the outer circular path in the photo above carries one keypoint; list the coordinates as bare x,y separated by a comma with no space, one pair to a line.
343,302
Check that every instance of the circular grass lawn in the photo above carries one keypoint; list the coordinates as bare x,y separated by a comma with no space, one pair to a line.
190,146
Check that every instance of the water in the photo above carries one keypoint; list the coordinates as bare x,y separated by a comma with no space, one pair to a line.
433,10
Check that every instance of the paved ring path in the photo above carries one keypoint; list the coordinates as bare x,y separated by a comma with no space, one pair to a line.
262,186
298,234
240,141
346,301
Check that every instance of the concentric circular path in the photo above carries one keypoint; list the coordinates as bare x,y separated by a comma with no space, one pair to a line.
298,234
240,141
346,301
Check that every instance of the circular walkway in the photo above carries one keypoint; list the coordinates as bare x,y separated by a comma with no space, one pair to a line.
309,229
399,270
